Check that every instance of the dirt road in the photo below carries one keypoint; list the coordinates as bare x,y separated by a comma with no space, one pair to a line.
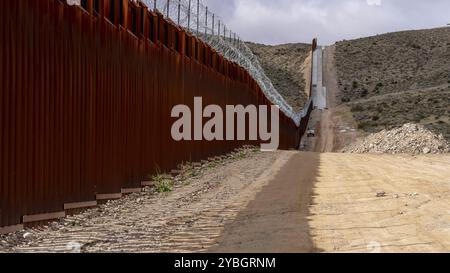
329,203
276,220
411,214
272,202
335,127
326,126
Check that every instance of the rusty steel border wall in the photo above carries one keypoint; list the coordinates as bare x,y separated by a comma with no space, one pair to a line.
86,96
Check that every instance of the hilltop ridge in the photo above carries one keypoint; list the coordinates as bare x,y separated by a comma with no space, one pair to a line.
397,78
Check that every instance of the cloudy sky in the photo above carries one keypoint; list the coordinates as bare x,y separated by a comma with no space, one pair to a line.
283,21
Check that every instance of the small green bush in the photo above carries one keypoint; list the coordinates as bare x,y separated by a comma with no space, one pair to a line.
163,183
164,186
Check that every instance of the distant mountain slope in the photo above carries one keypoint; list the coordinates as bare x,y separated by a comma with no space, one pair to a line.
285,65
392,79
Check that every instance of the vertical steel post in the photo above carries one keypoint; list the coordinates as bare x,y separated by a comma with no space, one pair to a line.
168,8
213,25
179,11
206,22
154,5
218,32
198,16
189,16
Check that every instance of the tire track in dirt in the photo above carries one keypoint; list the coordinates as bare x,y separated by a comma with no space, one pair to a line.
189,219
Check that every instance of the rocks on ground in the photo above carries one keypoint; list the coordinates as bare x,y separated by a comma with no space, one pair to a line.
151,215
409,139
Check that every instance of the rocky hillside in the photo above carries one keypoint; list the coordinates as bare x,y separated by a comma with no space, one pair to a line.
285,65
392,79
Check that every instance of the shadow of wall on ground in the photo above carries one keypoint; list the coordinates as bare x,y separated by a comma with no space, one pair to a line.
276,221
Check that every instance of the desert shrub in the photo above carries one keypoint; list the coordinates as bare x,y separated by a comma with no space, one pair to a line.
364,125
419,117
357,108
364,93
345,99
163,183
164,186
415,46
355,84
375,118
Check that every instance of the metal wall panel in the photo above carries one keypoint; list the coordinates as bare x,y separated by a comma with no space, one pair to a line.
85,103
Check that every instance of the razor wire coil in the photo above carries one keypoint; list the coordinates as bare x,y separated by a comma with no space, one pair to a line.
196,18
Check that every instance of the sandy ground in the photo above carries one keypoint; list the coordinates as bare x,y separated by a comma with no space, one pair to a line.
328,203
190,218
273,202
412,213
276,220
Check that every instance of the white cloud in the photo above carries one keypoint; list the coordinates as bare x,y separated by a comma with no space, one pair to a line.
284,21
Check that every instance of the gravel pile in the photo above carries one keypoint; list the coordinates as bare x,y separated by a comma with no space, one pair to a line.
409,139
